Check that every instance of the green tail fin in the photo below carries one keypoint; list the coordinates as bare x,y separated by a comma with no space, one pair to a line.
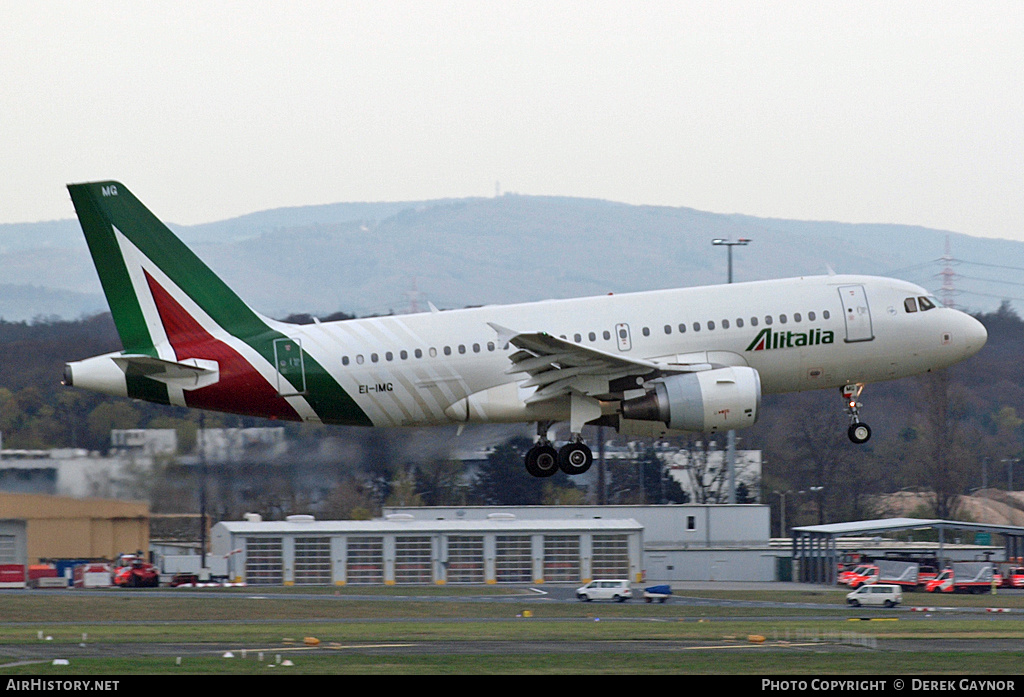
127,243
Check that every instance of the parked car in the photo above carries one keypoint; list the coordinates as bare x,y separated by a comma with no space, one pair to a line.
600,589
885,594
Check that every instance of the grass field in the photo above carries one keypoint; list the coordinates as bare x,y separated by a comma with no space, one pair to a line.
273,622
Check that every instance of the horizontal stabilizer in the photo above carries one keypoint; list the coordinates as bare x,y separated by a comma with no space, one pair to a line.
189,374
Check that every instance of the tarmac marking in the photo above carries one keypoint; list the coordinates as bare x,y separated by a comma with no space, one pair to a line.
280,649
369,646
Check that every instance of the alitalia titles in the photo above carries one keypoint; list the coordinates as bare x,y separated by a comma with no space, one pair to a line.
769,339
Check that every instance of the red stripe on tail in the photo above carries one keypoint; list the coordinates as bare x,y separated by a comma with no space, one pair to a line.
241,389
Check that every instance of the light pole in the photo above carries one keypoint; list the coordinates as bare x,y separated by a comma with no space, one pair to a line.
730,436
202,493
1010,462
816,490
782,511
729,244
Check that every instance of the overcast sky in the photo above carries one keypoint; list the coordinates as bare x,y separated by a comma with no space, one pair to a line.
894,112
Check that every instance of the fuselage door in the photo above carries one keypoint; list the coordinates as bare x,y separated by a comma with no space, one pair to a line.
291,368
856,313
622,336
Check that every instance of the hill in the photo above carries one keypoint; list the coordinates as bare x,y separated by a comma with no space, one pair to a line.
375,258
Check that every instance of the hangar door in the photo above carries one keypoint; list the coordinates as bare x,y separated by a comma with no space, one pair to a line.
562,558
313,561
264,561
610,556
513,560
465,559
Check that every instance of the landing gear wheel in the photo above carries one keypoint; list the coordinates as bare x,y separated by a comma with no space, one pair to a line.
859,433
542,461
575,458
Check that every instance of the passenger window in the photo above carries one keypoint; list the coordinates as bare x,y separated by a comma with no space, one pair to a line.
753,321
739,322
607,335
433,352
577,338
462,348
389,356
782,319
696,326
767,319
344,360
682,328
926,304
668,328
592,336
647,331
910,305
476,348
711,326
796,316
374,357
447,350
418,353
725,324
810,316
825,314
403,354
490,345
359,359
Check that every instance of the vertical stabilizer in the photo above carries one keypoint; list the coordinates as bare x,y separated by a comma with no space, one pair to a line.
189,339
135,253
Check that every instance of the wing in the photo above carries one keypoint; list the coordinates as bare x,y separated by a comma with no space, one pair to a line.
558,367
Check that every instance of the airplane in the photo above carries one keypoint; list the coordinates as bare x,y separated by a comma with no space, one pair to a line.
652,363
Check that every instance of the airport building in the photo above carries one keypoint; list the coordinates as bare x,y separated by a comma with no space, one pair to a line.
488,544
400,549
561,544
683,542
36,527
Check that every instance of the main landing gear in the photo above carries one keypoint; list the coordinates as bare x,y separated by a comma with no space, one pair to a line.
543,460
858,432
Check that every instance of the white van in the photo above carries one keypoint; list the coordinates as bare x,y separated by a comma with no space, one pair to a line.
616,590
884,594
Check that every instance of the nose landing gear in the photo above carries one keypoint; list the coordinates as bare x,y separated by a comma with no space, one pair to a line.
859,432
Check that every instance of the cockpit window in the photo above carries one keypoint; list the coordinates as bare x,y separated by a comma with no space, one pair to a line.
910,304
926,303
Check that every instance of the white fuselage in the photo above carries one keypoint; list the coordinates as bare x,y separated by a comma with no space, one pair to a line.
824,332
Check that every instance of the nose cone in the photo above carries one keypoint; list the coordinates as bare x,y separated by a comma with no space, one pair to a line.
974,333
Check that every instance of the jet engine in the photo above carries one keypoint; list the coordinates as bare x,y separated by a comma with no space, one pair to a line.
721,399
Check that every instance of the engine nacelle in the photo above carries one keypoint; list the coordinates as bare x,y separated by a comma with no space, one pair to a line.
722,399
